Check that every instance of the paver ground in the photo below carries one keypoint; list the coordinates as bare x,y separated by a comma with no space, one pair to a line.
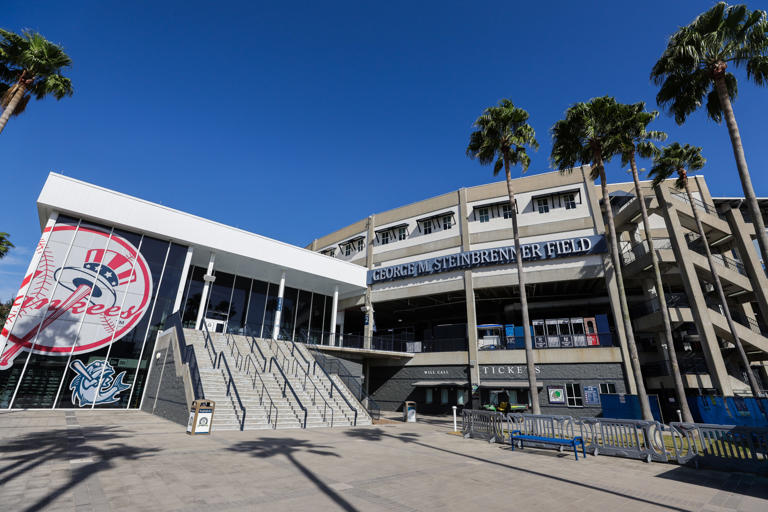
128,461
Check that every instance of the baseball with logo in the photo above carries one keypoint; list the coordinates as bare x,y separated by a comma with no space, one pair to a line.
92,299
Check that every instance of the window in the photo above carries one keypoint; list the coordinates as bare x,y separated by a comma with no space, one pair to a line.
347,249
329,252
427,227
360,244
542,205
570,201
460,398
506,210
607,388
444,396
447,222
402,233
482,213
428,396
385,238
573,395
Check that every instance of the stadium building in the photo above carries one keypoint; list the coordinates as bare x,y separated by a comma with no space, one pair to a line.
416,303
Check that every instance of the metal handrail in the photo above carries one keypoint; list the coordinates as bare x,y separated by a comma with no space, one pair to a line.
695,243
701,205
287,385
294,368
332,366
232,345
254,343
248,363
231,385
293,353
209,348
334,385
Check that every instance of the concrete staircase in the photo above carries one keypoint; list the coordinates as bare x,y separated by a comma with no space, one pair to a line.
253,364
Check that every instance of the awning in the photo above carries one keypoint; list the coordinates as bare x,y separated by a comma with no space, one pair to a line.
391,228
435,216
516,384
437,383
495,202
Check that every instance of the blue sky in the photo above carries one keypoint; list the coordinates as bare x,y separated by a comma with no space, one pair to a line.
293,119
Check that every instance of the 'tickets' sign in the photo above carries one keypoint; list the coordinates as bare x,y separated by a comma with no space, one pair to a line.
576,246
91,300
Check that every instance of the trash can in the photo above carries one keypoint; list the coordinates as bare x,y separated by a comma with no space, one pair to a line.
201,417
409,412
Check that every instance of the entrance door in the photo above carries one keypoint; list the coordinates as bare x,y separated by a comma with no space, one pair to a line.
215,325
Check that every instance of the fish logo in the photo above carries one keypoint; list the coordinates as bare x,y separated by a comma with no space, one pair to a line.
95,383
87,302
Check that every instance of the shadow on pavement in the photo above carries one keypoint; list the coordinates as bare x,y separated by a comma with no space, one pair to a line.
377,434
745,484
73,445
270,447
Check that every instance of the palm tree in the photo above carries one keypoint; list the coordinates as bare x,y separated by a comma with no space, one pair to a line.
5,244
694,65
676,159
589,134
30,65
501,139
638,141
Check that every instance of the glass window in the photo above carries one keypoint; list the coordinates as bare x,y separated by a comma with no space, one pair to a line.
428,398
316,318
330,252
483,215
256,305
220,295
607,388
573,395
506,211
427,227
269,313
402,233
347,249
570,201
360,245
460,397
447,222
192,296
302,316
385,238
239,305
288,315
444,396
542,205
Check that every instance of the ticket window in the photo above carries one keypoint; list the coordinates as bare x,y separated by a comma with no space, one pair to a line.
564,330
579,334
553,336
539,334
590,328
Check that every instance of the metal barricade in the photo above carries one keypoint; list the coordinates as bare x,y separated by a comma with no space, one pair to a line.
730,447
486,425
543,425
634,439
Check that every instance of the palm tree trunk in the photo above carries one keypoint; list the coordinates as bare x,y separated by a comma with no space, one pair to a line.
529,360
741,166
719,287
671,352
12,104
645,406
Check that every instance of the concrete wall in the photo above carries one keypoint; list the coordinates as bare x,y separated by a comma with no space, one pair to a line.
167,400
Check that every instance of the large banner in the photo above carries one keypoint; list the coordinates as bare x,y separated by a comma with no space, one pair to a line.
89,289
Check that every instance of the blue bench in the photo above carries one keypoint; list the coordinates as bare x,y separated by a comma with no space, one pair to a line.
517,435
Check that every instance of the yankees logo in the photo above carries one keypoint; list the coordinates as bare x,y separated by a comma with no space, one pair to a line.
98,295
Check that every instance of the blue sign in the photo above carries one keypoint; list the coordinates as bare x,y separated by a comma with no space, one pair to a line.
591,395
576,246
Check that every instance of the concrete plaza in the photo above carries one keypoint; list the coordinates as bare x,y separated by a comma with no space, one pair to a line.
94,461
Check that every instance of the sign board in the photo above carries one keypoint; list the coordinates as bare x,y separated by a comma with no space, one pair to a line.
545,250
591,395
556,394
204,418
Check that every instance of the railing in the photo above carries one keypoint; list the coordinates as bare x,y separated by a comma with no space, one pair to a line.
334,367
334,385
737,316
696,245
209,348
307,382
232,387
234,351
303,357
698,203
485,425
263,391
727,447
634,439
640,249
553,341
287,385
254,343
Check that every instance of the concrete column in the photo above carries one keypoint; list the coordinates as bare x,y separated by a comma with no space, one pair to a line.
699,309
463,221
610,280
334,305
474,367
208,278
183,280
279,310
749,258
369,322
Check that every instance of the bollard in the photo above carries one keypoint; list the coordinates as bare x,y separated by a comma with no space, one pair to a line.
454,419
679,416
